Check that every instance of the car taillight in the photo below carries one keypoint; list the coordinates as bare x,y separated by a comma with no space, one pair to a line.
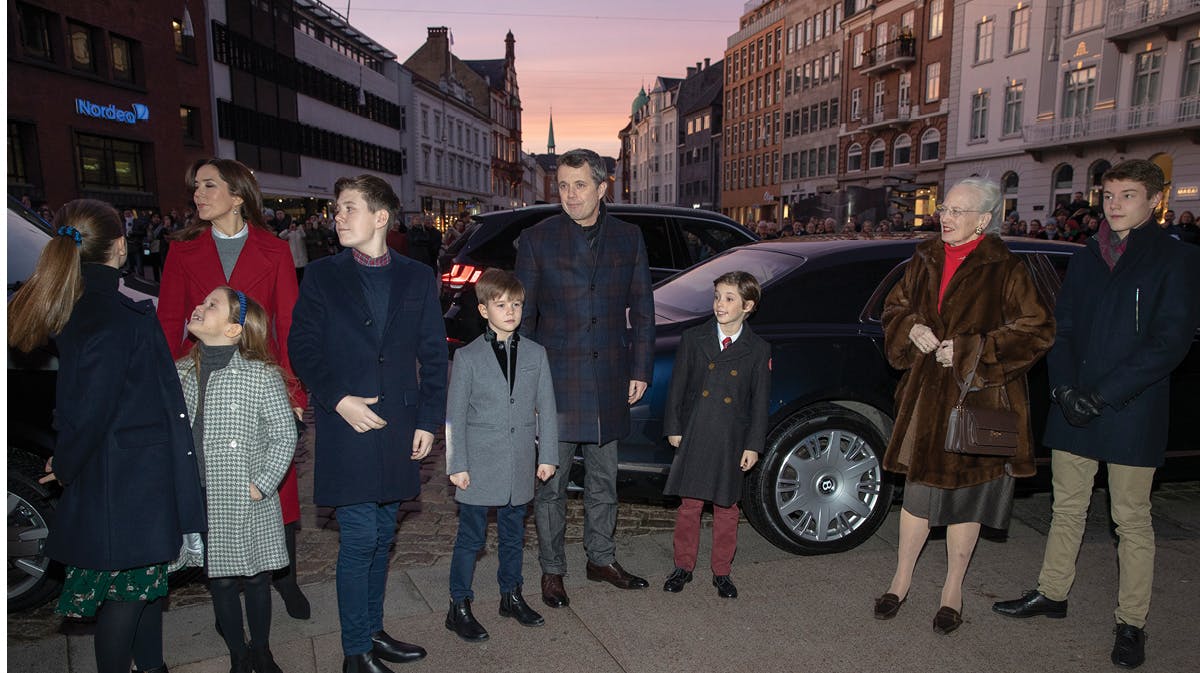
461,275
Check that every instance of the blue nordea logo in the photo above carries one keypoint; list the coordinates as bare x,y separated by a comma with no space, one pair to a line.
112,112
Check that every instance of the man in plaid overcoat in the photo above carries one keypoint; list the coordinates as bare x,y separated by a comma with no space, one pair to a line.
582,270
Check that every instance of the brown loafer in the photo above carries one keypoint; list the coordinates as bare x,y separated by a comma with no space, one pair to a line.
888,605
946,620
553,593
615,575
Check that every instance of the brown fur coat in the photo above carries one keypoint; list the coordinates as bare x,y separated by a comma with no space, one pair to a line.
991,295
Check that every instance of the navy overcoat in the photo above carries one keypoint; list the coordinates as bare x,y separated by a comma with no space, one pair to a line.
1120,333
576,300
336,351
124,455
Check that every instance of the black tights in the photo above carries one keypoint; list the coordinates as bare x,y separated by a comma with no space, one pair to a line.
228,608
125,627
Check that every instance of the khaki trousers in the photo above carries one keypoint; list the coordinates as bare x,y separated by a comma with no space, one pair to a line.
1129,492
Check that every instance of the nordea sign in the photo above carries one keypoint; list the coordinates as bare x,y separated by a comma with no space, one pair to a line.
87,108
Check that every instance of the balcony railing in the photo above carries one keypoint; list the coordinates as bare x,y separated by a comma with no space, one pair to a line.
1134,18
1164,116
887,115
896,54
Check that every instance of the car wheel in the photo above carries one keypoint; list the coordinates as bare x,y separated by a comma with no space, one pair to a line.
820,487
31,579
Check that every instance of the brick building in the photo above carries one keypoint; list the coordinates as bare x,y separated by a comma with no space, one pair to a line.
507,172
699,141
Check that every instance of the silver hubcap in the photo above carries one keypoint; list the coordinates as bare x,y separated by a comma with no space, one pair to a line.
27,532
828,485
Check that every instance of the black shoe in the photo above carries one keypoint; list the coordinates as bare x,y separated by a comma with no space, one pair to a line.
366,662
615,575
388,648
262,661
460,620
1129,650
1032,604
294,599
724,585
678,578
512,604
239,662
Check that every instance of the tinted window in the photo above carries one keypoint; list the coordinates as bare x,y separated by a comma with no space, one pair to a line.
828,294
658,239
703,239
691,292
498,247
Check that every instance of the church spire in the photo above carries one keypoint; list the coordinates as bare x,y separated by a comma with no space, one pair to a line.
550,140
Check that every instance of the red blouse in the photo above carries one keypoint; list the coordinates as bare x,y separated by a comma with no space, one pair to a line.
955,254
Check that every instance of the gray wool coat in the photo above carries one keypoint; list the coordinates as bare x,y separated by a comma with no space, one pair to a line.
249,436
490,432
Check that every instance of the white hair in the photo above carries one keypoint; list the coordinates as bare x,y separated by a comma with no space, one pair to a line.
990,200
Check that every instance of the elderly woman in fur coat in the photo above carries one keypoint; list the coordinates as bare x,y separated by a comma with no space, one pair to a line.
959,294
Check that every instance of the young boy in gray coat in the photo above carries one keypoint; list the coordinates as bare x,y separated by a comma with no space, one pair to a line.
501,418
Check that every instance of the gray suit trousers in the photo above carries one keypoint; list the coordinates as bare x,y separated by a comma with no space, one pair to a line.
599,504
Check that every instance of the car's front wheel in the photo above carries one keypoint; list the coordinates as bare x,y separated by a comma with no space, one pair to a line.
820,486
32,579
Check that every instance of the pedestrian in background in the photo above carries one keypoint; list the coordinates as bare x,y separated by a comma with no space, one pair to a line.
716,418
123,453
295,237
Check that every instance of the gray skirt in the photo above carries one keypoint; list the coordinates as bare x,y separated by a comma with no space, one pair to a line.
989,503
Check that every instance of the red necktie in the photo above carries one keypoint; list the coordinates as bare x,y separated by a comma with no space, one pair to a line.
725,342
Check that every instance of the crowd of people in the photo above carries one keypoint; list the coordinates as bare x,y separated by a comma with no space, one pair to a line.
195,437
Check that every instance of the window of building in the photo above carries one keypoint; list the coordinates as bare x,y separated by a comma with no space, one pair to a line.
185,45
1189,107
837,63
1084,14
1009,185
933,82
1063,181
855,103
854,158
108,163
122,59
1018,31
189,118
979,115
35,24
878,151
18,167
1080,92
902,150
936,8
931,145
1014,101
81,41
877,99
857,50
985,32
1147,77
904,91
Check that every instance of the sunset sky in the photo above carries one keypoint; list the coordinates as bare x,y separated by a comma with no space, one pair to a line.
584,60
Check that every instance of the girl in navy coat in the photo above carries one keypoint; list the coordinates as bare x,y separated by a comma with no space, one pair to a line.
123,453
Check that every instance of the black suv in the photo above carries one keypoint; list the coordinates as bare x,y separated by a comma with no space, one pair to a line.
676,238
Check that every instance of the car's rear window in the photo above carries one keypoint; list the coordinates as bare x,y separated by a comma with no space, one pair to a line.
691,292
494,244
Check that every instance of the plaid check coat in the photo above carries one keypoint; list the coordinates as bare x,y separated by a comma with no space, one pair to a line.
249,436
575,306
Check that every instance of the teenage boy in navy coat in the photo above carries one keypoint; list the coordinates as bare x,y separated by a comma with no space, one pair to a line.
368,340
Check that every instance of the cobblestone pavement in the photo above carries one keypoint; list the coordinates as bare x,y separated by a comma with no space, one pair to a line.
424,537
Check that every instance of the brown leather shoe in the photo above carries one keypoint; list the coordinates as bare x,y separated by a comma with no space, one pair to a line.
946,620
553,593
887,605
615,575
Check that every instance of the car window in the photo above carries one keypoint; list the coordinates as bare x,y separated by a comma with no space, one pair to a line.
691,292
703,239
25,242
829,294
498,244
658,239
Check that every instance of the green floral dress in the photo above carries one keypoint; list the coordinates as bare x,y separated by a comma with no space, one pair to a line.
84,590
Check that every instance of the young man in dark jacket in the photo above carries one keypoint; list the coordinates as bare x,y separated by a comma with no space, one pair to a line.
1126,317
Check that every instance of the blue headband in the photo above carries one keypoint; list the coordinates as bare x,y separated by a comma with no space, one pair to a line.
71,232
242,304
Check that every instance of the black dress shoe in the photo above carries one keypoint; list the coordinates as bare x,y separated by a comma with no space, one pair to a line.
239,662
724,585
512,604
366,662
1032,604
887,605
947,620
460,620
678,578
262,661
1129,650
389,649
553,593
294,600
615,575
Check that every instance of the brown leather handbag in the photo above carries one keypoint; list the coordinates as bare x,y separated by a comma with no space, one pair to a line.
980,431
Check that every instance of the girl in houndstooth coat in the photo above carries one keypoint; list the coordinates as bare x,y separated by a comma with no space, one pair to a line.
245,436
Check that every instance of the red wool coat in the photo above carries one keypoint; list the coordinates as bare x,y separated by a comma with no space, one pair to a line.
266,273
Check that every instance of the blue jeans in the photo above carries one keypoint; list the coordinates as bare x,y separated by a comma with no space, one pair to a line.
367,530
472,533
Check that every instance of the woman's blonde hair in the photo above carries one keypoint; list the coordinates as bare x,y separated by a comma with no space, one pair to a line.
87,231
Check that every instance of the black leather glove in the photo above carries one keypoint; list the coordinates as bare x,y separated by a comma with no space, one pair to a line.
1079,407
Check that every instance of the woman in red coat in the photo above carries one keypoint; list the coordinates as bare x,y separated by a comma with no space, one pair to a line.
230,244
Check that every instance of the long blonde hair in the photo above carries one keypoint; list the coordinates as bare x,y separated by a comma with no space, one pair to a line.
87,231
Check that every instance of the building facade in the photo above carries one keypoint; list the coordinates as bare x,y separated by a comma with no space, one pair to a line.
653,143
701,96
107,101
507,172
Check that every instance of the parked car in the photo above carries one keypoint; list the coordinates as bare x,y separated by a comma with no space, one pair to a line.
676,238
32,578
820,486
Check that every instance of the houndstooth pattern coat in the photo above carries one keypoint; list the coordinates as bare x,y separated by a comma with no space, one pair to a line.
249,436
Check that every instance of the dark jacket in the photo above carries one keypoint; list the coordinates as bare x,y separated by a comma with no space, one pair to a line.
718,403
131,487
1120,333
337,351
575,306
991,295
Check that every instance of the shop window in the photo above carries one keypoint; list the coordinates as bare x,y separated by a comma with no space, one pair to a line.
108,163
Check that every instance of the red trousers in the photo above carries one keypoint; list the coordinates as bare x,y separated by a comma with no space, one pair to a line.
687,535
